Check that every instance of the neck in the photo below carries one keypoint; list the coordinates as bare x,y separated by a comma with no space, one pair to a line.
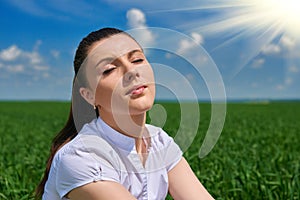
130,125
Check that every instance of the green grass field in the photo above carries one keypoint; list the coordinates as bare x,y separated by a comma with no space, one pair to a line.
256,157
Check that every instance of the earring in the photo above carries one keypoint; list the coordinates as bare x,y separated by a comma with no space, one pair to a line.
96,111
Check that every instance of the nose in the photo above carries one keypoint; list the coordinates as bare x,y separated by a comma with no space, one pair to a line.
131,75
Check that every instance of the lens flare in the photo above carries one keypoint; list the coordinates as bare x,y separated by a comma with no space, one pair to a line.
286,12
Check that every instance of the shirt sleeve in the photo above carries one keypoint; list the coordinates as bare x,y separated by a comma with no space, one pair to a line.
167,153
84,161
173,153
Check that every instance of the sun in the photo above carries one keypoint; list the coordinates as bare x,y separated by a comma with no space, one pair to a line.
284,12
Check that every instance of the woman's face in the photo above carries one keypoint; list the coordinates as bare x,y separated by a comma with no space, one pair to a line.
120,77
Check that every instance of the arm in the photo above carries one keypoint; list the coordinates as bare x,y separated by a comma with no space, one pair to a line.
184,185
100,190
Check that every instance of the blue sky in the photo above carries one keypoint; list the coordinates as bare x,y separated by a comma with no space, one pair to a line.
255,52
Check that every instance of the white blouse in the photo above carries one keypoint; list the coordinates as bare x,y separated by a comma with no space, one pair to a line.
100,153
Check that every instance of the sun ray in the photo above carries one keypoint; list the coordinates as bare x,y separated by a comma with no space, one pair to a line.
212,5
258,21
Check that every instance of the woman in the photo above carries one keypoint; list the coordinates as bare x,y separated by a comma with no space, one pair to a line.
115,155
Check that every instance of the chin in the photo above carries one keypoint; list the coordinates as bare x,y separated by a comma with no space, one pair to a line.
140,108
140,105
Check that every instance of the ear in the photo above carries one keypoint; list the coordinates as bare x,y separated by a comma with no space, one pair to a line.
88,95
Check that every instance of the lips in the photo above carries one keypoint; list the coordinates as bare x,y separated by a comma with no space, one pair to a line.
136,90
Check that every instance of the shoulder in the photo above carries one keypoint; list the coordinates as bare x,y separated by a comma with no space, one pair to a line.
85,159
86,151
159,136
88,145
164,148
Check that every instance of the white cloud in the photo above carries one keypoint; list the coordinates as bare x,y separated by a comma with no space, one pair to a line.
254,85
168,55
293,69
198,38
46,75
10,54
40,67
186,45
30,7
258,63
33,57
15,59
37,45
56,9
14,53
16,68
190,77
280,87
55,53
136,19
287,42
288,81
271,49
287,48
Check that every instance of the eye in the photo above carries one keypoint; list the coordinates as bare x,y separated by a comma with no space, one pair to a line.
108,71
139,60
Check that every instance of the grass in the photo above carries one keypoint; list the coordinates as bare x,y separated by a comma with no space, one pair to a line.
256,157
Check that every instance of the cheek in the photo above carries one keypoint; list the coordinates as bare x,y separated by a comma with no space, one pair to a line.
107,91
103,95
149,78
146,72
92,79
152,92
153,89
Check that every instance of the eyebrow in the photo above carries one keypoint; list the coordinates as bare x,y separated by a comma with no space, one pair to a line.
134,51
107,59
111,59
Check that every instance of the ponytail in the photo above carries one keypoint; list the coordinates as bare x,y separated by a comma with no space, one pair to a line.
67,133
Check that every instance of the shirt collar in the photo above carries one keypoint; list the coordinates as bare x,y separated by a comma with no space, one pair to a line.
114,137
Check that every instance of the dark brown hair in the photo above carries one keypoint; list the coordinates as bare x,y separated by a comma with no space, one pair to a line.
69,131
